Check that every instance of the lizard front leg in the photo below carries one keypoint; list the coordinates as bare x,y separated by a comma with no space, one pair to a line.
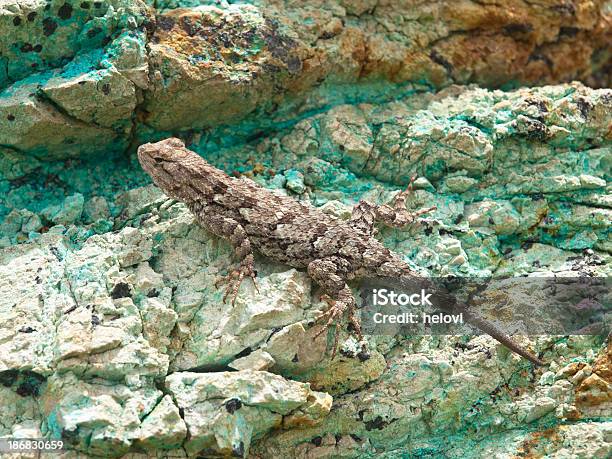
365,214
230,229
327,273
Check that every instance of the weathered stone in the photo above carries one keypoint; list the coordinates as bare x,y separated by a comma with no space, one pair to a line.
66,214
293,47
225,411
163,427
258,360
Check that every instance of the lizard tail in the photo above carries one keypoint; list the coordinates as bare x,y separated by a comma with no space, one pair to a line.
449,303
490,329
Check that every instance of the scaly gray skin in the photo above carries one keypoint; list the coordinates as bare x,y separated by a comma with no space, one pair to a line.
333,251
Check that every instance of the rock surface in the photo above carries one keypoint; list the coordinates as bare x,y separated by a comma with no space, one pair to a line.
112,332
85,78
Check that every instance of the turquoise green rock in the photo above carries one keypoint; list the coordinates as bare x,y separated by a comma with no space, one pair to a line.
41,35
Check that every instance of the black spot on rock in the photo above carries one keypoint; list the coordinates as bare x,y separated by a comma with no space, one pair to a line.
95,320
233,405
121,290
26,383
376,423
55,251
8,377
295,359
93,32
584,106
565,9
98,5
536,130
464,346
294,64
541,106
10,117
363,355
49,27
27,330
65,11
189,27
29,384
541,57
165,22
152,293
85,5
31,16
235,58
16,21
238,451
316,441
70,437
106,89
278,44
37,48
568,31
26,48
70,309
518,28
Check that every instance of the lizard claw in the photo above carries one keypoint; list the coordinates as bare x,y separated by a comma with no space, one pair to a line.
234,278
399,202
402,215
333,315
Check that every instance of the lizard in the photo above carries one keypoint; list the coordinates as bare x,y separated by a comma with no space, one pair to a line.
331,250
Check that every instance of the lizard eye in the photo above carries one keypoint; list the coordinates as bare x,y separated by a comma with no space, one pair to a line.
158,160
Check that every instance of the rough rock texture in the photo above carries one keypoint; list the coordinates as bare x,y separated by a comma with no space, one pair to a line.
112,333
84,78
82,305
292,47
70,76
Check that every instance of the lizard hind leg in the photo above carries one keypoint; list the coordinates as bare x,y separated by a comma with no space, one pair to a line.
396,214
345,302
235,277
365,214
338,295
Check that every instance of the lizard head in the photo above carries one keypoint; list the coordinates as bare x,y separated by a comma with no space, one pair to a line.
166,162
